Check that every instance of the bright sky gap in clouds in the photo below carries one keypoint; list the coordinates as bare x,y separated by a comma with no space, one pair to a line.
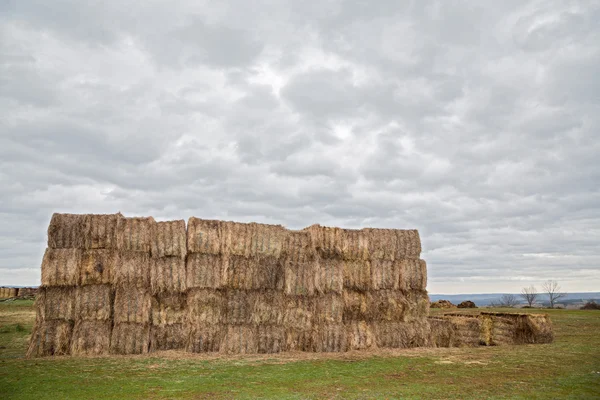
476,122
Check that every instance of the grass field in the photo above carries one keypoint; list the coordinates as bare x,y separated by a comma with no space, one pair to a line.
569,368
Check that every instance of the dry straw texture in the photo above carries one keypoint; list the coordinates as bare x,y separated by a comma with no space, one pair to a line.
357,274
329,309
101,231
330,338
204,236
300,277
413,274
327,241
97,266
60,267
238,307
132,304
93,302
401,334
359,336
169,239
253,273
298,247
167,274
135,234
57,303
130,338
329,275
167,337
205,306
299,340
355,244
67,231
299,312
253,240
169,309
271,338
91,338
239,339
267,307
50,338
204,338
133,269
206,271
385,274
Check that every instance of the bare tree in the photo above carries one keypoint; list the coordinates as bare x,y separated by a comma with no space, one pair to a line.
552,289
529,294
507,300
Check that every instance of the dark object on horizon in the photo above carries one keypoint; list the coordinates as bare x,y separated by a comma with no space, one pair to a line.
467,304
442,304
590,305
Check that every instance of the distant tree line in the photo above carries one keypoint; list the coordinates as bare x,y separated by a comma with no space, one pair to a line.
551,289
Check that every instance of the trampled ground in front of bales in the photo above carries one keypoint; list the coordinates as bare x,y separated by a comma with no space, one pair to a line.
568,368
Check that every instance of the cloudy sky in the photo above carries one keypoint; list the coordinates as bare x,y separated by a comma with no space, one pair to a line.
477,123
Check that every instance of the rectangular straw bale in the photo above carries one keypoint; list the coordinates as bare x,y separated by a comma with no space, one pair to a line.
169,239
50,338
135,234
239,339
534,328
133,269
442,333
357,274
91,337
238,307
356,305
93,302
299,312
167,337
359,336
408,244
204,236
254,273
237,238
417,305
300,278
167,274
401,334
268,240
130,338
267,307
413,274
326,240
132,304
101,231
97,266
40,304
205,306
385,274
355,244
66,231
298,247
206,271
329,309
271,338
299,339
329,275
503,331
203,338
58,302
330,338
169,308
60,267
388,305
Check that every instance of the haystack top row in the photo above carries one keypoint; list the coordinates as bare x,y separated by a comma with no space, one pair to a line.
171,238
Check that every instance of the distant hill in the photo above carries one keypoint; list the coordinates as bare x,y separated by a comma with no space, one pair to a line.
485,299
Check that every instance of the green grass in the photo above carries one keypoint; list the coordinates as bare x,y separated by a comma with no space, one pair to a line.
568,368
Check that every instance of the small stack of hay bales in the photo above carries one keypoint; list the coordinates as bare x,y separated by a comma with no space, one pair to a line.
7,293
168,286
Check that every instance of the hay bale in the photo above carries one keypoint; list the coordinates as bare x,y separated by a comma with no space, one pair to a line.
512,328
168,309
329,275
97,266
534,328
67,231
357,274
298,247
413,274
101,231
204,236
329,309
442,304
418,305
132,305
133,269
267,307
253,273
467,304
135,234
205,306
442,332
299,312
50,338
167,337
130,338
169,239
60,267
203,338
390,305
468,331
267,240
58,303
383,243
167,274
206,271
93,302
330,338
238,307
401,334
239,339
385,274
13,292
271,339
299,340
327,241
355,244
237,238
359,336
356,305
300,277
408,244
91,337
